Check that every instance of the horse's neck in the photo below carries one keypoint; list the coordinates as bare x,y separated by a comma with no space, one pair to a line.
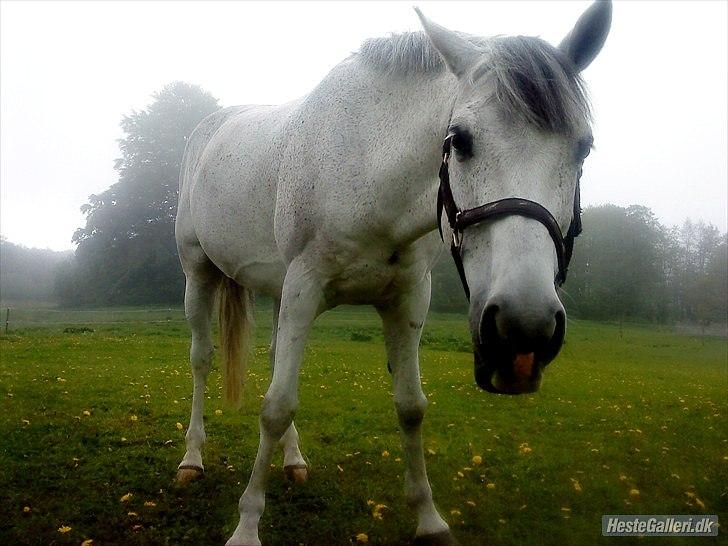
411,151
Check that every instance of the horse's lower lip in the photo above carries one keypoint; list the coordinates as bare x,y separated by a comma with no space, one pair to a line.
516,374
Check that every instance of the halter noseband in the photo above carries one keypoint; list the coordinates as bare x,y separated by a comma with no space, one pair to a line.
461,219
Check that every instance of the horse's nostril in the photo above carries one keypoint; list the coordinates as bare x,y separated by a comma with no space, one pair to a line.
488,322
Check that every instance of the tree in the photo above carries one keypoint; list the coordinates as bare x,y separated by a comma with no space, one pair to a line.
126,252
699,285
618,266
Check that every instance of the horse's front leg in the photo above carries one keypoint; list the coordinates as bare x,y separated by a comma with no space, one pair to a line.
301,302
403,322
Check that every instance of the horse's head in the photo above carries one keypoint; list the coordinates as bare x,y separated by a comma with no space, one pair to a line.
519,128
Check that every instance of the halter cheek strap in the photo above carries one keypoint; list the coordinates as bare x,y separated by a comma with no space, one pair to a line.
461,219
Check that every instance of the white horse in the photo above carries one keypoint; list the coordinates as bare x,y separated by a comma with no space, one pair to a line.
332,199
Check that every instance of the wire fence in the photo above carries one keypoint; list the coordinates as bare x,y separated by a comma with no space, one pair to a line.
15,318
21,318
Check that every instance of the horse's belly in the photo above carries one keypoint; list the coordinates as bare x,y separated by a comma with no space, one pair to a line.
238,245
232,202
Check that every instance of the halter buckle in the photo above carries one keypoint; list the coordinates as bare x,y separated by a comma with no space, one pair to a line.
456,239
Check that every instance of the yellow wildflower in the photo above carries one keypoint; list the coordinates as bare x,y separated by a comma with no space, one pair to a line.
362,537
133,418
218,412
524,448
86,412
64,529
150,503
377,512
385,453
127,497
87,542
634,492
477,459
490,485
179,426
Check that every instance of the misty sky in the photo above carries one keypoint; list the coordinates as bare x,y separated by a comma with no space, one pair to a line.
69,71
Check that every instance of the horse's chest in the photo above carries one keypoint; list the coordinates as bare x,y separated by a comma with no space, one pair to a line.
372,274
363,281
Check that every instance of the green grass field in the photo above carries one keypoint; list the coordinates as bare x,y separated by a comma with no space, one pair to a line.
629,420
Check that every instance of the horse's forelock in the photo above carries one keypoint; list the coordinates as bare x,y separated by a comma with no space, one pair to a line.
532,78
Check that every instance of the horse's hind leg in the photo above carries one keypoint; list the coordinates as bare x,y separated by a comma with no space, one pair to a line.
200,289
294,466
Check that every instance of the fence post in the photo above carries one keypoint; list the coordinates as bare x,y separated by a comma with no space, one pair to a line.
7,319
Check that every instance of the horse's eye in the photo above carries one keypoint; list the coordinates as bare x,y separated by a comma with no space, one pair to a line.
462,141
583,149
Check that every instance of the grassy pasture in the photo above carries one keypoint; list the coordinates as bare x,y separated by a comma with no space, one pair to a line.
629,420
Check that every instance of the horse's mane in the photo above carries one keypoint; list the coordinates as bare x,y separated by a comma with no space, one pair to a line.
532,78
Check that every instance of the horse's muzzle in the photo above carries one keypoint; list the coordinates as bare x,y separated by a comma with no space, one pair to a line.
514,365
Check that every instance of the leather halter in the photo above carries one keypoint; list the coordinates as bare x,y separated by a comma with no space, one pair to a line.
461,219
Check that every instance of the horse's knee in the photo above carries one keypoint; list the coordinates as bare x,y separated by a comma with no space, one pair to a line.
277,412
201,356
411,411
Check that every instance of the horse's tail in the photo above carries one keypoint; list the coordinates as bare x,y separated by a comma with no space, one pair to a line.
236,327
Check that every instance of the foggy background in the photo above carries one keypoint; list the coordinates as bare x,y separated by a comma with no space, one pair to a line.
71,70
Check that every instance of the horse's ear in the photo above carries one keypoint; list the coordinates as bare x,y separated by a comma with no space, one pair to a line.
586,39
458,54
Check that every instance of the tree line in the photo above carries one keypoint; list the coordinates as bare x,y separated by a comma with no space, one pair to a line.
28,273
626,264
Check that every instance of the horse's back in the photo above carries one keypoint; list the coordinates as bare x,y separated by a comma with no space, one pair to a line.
228,190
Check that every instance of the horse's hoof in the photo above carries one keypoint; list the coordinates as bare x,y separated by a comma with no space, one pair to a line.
297,473
443,538
234,541
187,474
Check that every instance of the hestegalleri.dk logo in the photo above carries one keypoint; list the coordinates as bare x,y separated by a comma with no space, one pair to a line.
622,525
